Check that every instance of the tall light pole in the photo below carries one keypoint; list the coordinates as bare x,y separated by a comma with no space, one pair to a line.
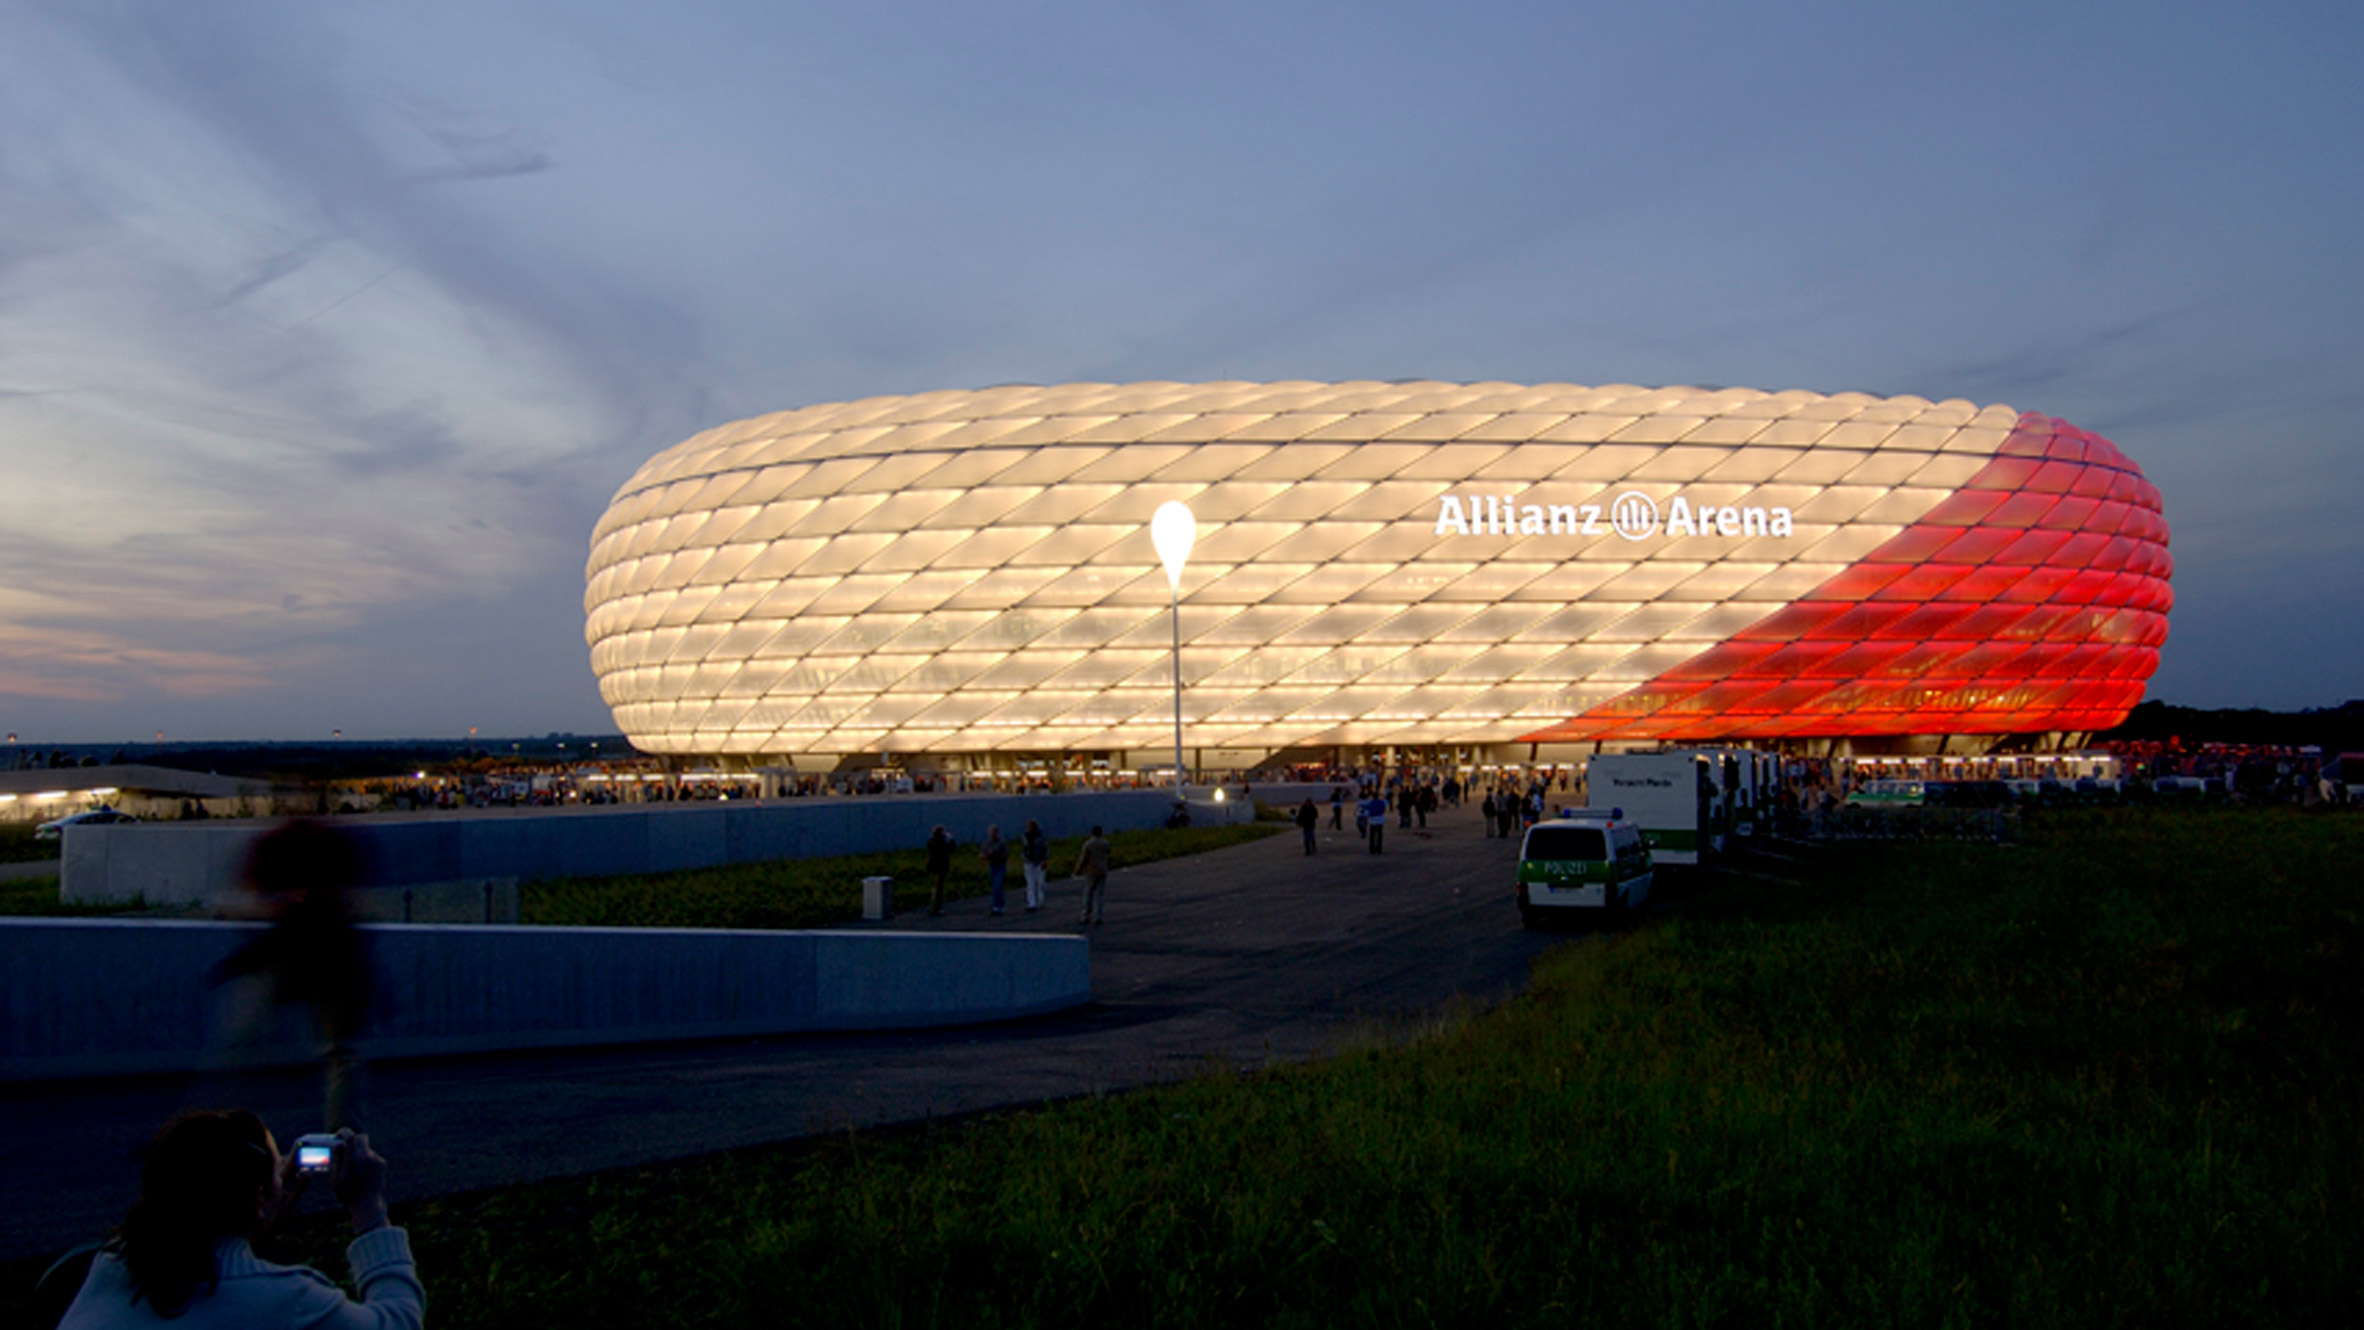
1173,530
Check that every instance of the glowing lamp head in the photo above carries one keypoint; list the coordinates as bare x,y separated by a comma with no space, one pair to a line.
1173,530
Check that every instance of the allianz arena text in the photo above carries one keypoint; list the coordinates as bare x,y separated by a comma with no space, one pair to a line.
967,578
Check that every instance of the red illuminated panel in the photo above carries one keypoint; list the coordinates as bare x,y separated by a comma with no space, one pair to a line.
2032,599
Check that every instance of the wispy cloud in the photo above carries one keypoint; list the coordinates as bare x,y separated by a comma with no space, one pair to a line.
327,331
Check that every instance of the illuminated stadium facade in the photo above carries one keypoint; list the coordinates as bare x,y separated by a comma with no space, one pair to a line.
966,579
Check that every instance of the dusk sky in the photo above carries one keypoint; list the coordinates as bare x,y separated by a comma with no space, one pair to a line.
327,331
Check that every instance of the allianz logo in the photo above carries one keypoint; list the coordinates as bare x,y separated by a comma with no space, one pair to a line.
1632,515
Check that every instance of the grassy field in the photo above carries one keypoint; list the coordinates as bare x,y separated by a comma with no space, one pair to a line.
18,845
804,893
2105,1078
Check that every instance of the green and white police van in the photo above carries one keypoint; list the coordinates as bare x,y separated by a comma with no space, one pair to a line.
1586,861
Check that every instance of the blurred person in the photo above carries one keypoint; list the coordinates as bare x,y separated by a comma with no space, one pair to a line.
1034,855
1092,864
1307,819
312,954
213,1181
939,867
997,863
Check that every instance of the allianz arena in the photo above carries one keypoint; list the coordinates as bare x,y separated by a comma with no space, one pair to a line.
966,579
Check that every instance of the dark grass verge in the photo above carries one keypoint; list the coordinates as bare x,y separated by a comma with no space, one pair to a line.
806,893
18,845
2107,1078
37,897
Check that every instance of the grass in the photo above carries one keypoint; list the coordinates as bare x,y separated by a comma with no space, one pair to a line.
36,897
805,893
19,846
2105,1078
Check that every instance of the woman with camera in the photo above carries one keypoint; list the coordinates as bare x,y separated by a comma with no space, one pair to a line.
214,1181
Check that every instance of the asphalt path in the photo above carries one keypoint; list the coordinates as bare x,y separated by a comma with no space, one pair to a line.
1239,957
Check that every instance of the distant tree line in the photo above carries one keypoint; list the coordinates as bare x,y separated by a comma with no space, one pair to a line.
304,763
2335,730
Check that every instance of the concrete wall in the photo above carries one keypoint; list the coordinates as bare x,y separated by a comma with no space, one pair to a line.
100,997
199,863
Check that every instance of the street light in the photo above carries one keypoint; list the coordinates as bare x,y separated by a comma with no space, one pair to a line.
1173,530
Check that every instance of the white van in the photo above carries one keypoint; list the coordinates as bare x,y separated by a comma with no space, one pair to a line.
1583,862
1674,796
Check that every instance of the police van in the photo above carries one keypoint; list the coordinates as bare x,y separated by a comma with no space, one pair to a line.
1585,862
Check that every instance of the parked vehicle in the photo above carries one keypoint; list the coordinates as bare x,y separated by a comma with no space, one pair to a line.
96,817
1583,862
2347,772
1672,796
1967,794
1889,794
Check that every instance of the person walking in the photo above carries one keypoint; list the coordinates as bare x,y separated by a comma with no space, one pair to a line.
312,956
1308,818
1375,816
1034,855
1486,811
1337,806
997,863
1091,864
939,867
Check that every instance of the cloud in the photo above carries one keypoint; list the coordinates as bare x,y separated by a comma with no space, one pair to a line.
267,374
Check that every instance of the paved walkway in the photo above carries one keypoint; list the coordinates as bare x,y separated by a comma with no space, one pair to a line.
1246,955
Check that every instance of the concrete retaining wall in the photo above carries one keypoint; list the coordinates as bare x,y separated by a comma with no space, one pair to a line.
101,997
199,863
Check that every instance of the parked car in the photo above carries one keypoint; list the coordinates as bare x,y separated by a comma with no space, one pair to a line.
96,817
1889,794
1584,860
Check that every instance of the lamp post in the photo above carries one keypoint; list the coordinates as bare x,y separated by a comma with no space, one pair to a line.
1173,530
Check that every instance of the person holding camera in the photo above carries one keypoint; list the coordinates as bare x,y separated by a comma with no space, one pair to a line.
212,1183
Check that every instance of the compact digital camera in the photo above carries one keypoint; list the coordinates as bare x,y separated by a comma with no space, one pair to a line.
314,1153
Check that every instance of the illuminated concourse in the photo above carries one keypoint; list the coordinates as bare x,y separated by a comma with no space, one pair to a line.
965,580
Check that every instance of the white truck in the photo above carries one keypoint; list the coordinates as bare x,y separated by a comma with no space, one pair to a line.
1677,797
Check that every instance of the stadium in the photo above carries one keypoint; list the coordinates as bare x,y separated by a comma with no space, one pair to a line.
965,580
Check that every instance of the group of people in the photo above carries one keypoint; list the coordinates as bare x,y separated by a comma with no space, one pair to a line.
1034,857
1411,800
1509,811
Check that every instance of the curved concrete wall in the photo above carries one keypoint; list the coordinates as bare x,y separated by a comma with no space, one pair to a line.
99,997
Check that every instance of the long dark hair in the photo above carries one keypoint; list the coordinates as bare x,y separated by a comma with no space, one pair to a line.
196,1188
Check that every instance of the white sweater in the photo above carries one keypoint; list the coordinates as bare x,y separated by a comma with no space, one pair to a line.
255,1293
